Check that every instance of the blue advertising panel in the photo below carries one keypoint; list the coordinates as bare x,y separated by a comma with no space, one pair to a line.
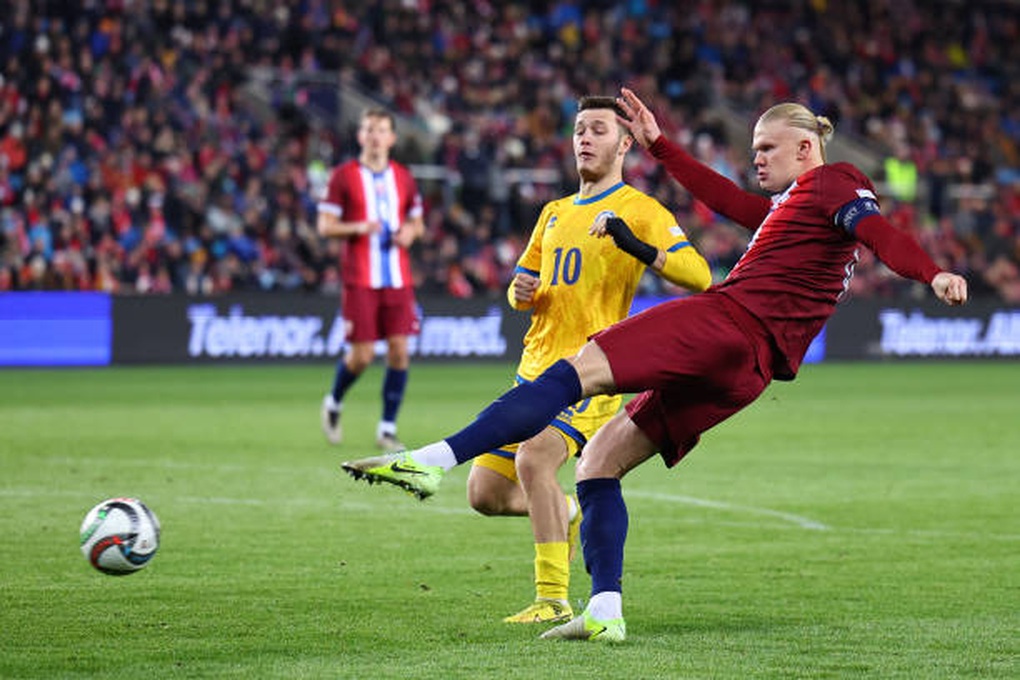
96,329
260,327
55,329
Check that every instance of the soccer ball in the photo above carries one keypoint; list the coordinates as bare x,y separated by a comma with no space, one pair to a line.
119,536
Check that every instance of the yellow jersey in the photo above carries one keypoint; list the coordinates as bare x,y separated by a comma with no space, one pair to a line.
586,283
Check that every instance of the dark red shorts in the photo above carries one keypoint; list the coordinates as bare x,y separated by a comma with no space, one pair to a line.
695,361
379,313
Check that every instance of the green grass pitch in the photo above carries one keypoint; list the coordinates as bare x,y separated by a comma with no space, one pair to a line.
860,522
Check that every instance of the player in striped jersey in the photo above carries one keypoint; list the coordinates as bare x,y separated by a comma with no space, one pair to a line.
373,204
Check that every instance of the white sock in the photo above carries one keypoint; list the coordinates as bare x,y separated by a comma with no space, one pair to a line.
386,428
438,453
606,605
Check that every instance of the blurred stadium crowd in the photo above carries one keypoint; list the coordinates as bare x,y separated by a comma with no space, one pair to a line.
131,161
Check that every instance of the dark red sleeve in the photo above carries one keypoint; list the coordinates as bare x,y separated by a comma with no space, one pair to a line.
896,248
709,187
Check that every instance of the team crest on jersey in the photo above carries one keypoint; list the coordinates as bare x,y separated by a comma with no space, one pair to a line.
603,214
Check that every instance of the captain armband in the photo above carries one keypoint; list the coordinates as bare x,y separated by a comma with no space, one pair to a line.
853,212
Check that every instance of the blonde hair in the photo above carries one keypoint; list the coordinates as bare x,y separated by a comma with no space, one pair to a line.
799,116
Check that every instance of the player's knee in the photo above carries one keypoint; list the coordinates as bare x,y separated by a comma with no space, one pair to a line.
528,473
534,466
356,367
484,501
358,359
593,370
398,358
585,469
484,497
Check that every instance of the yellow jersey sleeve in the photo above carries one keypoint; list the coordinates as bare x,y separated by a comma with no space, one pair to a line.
684,265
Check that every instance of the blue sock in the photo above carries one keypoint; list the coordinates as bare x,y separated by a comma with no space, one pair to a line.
520,413
393,393
342,381
603,531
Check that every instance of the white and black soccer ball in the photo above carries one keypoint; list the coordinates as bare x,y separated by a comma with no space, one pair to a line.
119,536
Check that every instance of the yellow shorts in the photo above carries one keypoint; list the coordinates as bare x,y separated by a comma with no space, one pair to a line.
576,424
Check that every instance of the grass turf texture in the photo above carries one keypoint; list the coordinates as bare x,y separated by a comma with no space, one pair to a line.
860,522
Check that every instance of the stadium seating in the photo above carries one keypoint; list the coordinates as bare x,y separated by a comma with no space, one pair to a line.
133,158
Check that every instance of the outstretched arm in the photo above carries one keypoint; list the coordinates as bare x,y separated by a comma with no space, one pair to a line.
903,255
715,190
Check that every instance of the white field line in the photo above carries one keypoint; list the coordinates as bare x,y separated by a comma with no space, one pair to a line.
444,506
796,520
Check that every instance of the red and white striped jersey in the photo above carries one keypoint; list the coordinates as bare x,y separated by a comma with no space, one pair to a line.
355,193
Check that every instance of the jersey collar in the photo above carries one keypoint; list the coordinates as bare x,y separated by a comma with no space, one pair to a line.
597,197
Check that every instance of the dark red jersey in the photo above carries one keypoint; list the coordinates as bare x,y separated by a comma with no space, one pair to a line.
801,258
